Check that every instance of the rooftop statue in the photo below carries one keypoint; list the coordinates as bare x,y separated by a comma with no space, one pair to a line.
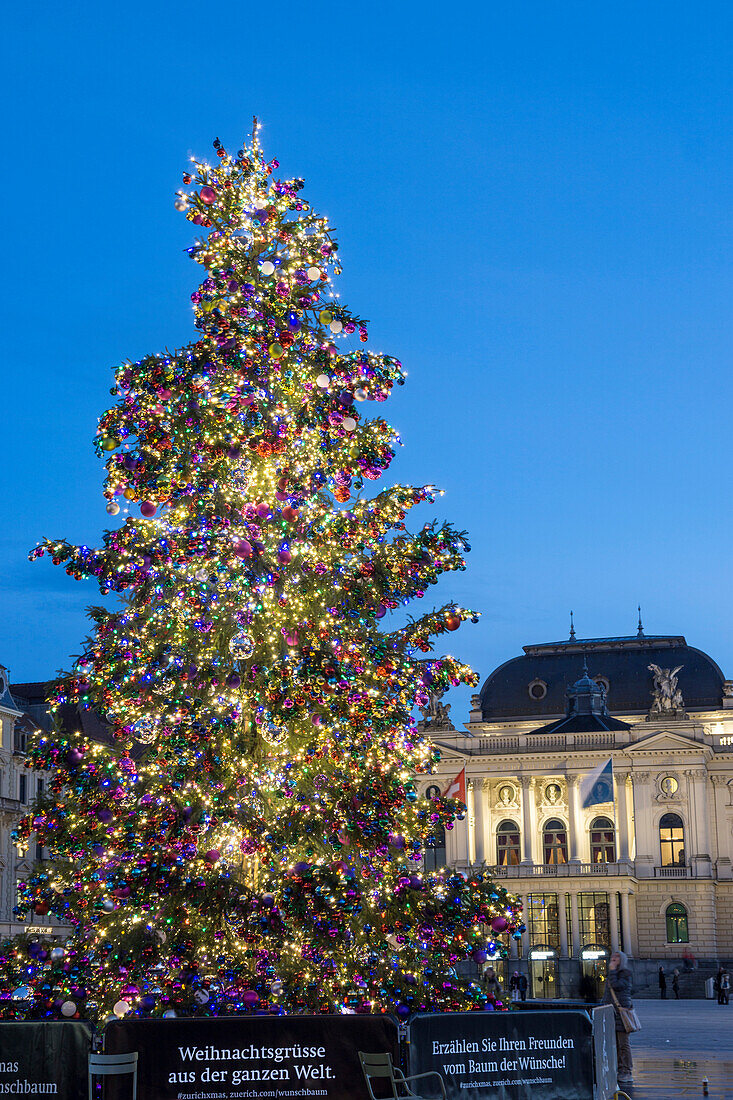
667,697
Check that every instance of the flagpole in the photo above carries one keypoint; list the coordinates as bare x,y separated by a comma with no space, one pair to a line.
471,823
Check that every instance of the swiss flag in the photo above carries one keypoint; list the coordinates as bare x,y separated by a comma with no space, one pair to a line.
457,787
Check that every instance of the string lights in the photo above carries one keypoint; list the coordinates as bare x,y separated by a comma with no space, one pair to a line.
250,837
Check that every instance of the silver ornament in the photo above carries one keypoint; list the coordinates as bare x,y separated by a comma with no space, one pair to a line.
241,646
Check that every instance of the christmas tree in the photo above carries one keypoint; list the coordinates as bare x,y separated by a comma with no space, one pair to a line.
250,835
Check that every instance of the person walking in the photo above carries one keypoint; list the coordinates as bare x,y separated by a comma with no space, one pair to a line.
676,984
662,983
619,980
718,983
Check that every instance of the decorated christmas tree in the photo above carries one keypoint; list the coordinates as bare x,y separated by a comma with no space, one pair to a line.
250,836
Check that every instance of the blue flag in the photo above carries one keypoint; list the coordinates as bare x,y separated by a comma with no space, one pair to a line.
597,787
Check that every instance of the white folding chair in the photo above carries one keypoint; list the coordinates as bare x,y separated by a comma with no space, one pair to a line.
105,1065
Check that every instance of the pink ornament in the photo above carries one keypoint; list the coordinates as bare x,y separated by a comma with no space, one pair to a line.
147,509
213,855
250,998
499,924
207,195
284,556
243,549
263,511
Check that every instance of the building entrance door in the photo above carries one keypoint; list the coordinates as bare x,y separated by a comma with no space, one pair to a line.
543,973
593,970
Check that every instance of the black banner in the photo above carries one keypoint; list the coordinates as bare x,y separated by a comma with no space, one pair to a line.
506,1055
604,1051
253,1057
44,1058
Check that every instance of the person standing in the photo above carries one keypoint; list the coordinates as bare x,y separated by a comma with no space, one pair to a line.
619,980
514,985
662,983
523,983
725,988
717,984
493,986
676,984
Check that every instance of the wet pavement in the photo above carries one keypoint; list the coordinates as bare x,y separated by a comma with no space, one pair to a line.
663,1077
680,1044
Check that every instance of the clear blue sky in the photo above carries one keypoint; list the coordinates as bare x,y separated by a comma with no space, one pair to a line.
533,202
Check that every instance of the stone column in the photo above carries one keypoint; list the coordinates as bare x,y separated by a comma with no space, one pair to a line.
528,819
698,854
720,792
488,843
623,825
563,923
647,846
526,936
613,919
574,924
626,922
575,817
471,819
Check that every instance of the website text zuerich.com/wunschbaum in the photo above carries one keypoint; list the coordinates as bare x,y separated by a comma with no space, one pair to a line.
247,1094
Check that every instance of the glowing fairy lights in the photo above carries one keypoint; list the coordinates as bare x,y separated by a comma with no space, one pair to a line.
251,836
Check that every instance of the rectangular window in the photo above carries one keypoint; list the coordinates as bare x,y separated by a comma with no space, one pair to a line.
23,787
593,919
39,851
543,920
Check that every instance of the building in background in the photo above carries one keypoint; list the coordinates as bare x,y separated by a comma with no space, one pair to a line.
644,862
19,786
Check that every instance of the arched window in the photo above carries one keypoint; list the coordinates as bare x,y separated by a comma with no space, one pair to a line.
672,840
507,845
677,924
435,844
602,841
555,842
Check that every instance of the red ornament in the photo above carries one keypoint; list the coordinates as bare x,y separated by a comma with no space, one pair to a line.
147,509
207,195
289,514
452,622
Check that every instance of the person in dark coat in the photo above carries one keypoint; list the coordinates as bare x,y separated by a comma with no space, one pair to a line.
523,983
662,983
493,986
619,980
676,984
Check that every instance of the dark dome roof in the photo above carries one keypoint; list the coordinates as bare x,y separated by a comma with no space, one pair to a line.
622,662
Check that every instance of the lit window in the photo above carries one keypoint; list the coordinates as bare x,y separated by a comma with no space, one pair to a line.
672,840
602,841
507,845
555,842
677,924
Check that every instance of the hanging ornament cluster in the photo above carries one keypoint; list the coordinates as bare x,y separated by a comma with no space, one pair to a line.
250,836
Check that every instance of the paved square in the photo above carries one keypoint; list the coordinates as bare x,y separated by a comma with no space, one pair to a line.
682,1042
